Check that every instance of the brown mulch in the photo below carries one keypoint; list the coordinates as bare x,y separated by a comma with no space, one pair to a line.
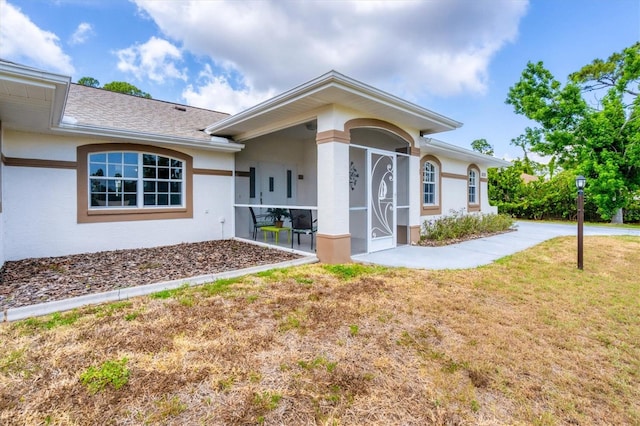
425,242
30,281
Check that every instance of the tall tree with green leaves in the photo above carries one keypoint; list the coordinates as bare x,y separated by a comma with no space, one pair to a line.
482,146
597,136
115,86
89,81
127,88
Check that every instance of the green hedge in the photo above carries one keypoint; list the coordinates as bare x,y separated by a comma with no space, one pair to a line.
459,225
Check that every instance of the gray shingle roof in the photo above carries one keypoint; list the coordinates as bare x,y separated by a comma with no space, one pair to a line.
88,106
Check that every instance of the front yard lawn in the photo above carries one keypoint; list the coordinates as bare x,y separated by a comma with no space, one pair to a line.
528,340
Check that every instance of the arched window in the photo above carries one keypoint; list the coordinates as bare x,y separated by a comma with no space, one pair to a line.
430,185
473,188
124,179
133,182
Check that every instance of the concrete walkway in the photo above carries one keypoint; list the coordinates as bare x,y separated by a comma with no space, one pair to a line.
482,251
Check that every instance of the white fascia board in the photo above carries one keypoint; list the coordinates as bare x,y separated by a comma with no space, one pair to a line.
30,75
57,83
458,151
394,101
146,137
333,79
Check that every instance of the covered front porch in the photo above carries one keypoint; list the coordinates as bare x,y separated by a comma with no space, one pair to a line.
345,153
280,171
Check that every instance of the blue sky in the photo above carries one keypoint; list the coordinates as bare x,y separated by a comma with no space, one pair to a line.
456,57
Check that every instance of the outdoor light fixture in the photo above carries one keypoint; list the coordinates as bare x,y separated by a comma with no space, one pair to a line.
580,183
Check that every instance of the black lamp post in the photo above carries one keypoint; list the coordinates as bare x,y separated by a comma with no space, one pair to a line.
580,182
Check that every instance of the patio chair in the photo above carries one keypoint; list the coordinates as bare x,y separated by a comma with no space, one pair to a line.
258,221
302,223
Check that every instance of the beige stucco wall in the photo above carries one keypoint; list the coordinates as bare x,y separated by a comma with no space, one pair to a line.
40,211
297,154
453,191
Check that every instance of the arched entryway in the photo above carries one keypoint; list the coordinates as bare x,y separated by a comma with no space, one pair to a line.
378,184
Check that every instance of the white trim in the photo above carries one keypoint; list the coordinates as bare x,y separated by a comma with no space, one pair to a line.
278,206
325,83
149,137
430,146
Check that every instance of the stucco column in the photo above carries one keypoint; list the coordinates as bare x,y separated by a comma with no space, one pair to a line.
334,239
415,195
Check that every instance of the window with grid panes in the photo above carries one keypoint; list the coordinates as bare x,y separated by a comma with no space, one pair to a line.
133,179
429,176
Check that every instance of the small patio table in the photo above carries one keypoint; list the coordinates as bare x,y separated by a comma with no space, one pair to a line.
276,231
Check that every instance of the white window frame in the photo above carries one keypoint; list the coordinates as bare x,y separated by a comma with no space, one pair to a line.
126,169
472,191
433,182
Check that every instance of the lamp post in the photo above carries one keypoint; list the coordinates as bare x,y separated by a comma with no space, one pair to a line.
580,182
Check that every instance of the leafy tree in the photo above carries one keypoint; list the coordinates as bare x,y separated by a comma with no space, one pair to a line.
127,88
506,184
482,146
115,86
89,81
600,141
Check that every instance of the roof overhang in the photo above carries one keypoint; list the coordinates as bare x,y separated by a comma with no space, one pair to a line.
34,100
31,99
438,147
101,132
332,88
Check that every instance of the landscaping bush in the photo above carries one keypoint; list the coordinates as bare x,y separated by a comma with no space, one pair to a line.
459,225
632,212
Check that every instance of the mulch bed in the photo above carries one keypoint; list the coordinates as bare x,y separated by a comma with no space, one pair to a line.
434,243
30,281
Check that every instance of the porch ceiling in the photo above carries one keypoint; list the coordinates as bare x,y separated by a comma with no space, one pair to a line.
332,88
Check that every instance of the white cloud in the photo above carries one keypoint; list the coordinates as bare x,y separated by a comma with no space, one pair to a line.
216,92
22,41
411,48
157,60
533,156
82,33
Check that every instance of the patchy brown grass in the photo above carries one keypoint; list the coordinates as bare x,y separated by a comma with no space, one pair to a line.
529,340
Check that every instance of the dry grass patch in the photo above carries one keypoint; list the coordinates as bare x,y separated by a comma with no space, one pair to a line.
529,340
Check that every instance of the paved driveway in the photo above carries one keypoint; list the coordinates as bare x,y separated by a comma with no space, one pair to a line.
482,251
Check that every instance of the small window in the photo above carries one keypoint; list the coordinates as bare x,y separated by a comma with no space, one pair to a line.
252,182
429,184
473,187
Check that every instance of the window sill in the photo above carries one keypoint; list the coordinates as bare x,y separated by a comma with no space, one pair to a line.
131,214
431,209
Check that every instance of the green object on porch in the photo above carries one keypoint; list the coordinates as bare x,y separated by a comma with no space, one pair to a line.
276,232
277,214
259,221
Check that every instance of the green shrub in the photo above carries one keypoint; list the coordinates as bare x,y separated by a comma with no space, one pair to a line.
460,225
632,212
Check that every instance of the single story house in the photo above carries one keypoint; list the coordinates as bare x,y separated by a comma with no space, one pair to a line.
85,169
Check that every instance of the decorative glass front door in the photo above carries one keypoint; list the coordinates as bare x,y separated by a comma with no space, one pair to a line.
382,200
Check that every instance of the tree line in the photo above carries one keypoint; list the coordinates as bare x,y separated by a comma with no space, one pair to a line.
588,126
115,86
